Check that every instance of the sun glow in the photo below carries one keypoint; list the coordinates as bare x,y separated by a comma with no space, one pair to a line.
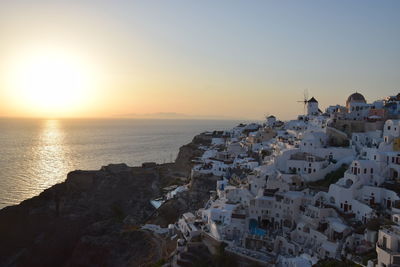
50,83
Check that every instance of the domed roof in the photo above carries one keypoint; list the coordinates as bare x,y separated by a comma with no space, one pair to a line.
356,97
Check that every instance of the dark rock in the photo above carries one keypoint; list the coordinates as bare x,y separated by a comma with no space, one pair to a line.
188,201
149,165
92,218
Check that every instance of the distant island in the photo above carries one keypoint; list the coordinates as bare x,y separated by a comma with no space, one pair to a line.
174,115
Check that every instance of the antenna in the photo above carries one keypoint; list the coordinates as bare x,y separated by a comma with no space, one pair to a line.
305,100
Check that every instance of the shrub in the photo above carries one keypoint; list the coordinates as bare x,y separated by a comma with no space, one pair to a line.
331,177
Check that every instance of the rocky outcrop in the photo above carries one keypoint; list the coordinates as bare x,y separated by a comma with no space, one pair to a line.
187,201
129,248
92,218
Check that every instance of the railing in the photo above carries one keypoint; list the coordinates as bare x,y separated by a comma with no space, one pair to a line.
387,250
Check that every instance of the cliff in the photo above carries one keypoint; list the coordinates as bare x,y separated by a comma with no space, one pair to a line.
187,201
92,218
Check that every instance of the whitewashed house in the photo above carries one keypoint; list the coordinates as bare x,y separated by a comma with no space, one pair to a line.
388,246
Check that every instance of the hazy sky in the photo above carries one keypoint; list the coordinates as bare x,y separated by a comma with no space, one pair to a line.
241,59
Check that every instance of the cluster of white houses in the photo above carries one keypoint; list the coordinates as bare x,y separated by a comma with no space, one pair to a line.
280,195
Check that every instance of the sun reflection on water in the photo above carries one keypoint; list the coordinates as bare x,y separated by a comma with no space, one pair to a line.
51,155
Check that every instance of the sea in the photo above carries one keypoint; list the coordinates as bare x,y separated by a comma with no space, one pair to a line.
36,154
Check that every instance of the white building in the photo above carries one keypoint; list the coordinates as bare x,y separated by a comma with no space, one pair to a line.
391,130
388,246
187,226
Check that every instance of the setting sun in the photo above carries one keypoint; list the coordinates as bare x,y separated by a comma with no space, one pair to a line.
50,83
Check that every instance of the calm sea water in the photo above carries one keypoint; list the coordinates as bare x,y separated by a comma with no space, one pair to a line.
36,154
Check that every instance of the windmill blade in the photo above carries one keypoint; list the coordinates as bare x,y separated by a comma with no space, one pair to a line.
305,95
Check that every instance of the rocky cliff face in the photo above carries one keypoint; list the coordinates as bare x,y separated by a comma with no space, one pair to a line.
92,218
188,201
199,186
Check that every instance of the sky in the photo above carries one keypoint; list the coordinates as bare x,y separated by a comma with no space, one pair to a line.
208,59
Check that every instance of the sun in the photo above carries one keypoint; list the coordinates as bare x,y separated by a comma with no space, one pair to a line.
50,82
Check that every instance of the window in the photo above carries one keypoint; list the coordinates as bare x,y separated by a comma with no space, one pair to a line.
388,127
365,171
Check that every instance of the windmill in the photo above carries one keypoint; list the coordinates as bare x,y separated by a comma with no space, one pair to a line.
304,101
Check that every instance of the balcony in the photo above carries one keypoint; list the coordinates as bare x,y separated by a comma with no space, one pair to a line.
387,250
